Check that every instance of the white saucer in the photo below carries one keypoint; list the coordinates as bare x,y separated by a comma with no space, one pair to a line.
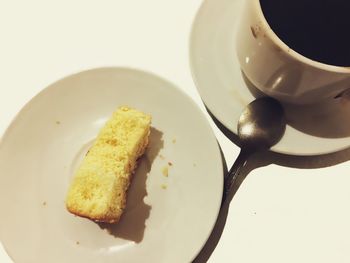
167,219
218,77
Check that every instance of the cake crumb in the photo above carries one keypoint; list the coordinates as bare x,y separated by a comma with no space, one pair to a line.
58,122
165,171
194,165
44,203
161,157
164,186
170,163
77,242
174,141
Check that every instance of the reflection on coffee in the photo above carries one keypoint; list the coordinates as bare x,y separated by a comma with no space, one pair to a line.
317,29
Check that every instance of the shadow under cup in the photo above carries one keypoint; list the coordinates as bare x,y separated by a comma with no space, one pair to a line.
326,119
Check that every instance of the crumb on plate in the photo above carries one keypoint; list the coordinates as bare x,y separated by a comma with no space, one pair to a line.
165,171
164,186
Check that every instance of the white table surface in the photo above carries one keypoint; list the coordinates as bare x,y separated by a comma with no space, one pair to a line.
281,213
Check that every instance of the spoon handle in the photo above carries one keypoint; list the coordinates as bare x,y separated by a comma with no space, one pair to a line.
231,176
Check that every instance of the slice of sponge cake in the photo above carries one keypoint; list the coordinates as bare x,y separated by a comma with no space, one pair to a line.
98,190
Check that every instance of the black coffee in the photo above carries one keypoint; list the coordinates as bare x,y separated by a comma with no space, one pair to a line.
317,29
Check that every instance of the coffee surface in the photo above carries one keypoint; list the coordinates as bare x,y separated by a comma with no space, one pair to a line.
317,29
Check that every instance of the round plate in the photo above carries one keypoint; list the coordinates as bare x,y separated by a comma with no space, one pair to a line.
168,218
313,130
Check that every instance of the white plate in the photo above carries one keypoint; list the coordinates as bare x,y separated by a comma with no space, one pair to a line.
42,147
218,77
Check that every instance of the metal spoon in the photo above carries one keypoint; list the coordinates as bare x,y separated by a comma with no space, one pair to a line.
260,126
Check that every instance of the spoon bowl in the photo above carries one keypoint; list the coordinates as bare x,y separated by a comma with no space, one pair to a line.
260,126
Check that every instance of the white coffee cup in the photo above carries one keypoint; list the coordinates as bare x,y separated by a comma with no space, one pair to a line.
280,72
